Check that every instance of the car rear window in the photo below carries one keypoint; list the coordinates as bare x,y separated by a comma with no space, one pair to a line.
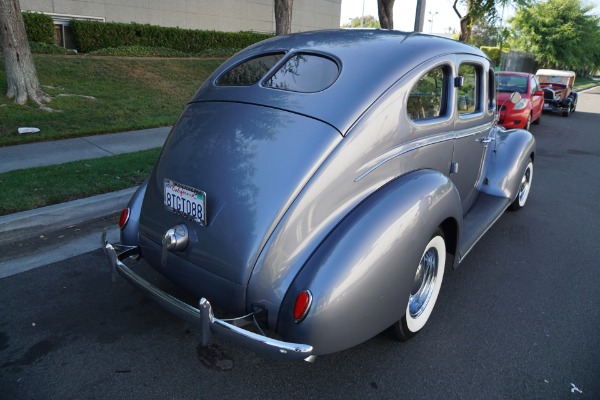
306,73
249,72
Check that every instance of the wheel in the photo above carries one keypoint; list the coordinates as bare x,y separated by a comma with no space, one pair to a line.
565,113
528,123
573,105
524,188
425,289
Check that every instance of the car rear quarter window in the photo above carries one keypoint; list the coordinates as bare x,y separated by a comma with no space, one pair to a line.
427,98
306,73
249,72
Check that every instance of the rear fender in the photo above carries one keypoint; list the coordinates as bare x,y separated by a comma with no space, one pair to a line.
506,161
130,233
360,277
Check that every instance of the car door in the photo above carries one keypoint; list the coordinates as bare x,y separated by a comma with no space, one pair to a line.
473,122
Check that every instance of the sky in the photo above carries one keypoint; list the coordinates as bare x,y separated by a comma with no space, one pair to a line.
444,17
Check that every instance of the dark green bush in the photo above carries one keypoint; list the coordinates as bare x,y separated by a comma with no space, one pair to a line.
139,51
91,36
44,48
147,51
39,27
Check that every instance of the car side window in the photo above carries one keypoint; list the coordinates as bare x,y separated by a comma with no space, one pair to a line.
305,73
427,99
468,93
535,86
249,72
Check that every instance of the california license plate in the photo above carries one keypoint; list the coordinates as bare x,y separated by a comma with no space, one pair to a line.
185,201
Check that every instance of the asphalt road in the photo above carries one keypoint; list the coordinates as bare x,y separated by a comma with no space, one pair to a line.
518,320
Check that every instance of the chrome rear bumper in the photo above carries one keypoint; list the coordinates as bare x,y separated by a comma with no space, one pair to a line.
203,316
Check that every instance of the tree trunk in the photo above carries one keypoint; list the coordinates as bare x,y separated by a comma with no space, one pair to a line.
466,25
21,76
386,13
283,17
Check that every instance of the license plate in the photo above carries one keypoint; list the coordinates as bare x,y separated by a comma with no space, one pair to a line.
185,201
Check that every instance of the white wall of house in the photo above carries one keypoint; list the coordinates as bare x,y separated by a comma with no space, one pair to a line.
219,15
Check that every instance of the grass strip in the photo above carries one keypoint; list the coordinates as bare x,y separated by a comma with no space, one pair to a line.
43,186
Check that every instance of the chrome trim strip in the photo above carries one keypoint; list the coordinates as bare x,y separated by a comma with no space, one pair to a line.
472,131
408,147
203,316
427,141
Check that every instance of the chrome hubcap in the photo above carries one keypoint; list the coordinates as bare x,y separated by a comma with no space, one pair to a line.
424,283
525,185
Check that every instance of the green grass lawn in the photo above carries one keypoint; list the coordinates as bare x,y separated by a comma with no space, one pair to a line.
43,186
130,94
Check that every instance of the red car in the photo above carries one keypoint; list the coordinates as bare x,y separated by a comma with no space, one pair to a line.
526,111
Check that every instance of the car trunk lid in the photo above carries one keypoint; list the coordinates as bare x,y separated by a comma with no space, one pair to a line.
251,162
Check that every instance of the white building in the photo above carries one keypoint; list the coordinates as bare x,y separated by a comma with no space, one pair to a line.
218,15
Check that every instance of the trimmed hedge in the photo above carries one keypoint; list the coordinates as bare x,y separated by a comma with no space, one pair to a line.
494,53
92,36
39,27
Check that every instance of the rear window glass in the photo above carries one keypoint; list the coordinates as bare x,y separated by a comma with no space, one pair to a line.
249,72
305,73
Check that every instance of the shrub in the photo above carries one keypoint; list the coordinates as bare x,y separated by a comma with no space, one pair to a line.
139,51
44,48
39,27
92,35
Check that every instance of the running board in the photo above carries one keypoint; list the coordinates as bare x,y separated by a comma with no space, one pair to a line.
486,210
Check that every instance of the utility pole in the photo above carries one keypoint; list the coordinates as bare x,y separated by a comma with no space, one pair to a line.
420,16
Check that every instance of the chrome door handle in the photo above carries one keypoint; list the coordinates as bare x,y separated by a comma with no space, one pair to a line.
486,139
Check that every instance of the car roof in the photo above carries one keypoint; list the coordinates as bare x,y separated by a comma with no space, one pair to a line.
555,72
370,62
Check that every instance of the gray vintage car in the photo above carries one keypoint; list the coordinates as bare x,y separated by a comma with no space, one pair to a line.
318,186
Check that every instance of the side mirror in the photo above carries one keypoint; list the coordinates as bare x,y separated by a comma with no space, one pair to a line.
515,97
538,93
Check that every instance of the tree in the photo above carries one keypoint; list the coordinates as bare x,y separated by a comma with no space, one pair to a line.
476,11
283,17
385,8
559,34
485,32
368,21
21,76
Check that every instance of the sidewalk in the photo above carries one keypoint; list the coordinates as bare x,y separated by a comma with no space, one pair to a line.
19,228
61,151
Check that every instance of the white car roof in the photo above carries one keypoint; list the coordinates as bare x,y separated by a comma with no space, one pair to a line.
555,72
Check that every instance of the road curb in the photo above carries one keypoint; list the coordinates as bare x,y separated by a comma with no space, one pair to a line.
33,223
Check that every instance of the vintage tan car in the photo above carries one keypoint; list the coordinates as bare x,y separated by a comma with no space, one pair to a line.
559,96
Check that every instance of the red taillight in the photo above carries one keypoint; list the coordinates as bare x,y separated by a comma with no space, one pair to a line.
124,218
302,305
